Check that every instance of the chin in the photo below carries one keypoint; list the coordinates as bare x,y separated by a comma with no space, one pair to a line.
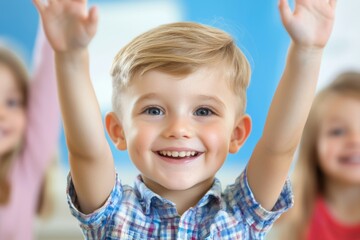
177,184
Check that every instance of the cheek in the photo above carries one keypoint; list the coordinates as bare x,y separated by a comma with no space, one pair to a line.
327,150
216,137
140,138
321,148
326,146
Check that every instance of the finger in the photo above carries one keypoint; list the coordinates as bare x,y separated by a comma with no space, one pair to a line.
285,10
332,3
92,20
93,15
39,5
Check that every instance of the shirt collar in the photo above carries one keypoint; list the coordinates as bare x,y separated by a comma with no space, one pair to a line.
150,199
213,193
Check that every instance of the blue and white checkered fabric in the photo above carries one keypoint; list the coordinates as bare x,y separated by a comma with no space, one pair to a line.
138,213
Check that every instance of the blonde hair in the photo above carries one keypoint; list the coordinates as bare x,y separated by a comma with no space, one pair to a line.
180,49
308,178
11,61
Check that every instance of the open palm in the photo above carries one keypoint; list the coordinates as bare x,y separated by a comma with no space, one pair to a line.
68,24
310,23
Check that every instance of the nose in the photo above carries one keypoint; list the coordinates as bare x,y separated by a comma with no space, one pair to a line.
178,128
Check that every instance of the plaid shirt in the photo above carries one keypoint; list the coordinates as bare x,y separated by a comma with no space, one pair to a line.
138,213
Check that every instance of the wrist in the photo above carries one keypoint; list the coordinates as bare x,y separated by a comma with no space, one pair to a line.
72,56
307,49
75,59
308,53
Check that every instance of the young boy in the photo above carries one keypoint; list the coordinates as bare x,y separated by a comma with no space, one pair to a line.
179,100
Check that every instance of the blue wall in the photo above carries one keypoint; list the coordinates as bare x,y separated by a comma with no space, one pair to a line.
258,31
18,23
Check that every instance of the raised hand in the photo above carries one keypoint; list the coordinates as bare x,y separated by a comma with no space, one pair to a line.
310,23
68,24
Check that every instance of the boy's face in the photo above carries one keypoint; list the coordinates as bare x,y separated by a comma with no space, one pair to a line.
179,130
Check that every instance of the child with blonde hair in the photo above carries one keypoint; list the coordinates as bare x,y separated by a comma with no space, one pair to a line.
29,130
327,173
179,94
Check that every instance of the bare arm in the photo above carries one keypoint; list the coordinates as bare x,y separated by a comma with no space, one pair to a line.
309,26
43,111
69,27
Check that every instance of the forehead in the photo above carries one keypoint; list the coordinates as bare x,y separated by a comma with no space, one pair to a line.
341,107
207,80
8,83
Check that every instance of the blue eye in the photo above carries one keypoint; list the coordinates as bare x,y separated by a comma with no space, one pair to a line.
13,103
337,132
203,112
154,111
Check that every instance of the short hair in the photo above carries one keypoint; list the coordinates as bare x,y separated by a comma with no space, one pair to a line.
180,49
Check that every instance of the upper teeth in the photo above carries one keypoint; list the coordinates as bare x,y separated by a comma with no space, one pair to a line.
178,154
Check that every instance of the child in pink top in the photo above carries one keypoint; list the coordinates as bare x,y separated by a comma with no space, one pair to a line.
29,127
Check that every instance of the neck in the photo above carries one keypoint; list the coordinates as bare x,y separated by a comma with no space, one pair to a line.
183,199
343,200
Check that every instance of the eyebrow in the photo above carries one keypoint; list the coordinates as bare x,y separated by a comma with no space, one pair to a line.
214,99
147,96
335,120
14,92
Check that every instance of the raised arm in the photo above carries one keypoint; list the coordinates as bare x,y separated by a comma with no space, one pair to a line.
69,27
43,113
309,26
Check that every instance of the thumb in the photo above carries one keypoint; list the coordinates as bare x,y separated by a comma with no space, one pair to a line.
39,6
92,20
332,3
285,11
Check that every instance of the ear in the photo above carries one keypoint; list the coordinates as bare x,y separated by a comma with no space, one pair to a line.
115,130
240,133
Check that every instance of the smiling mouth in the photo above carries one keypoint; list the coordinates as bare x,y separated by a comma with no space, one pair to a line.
351,160
179,154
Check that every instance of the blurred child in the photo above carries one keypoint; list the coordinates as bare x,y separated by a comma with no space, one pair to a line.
179,95
327,172
29,127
